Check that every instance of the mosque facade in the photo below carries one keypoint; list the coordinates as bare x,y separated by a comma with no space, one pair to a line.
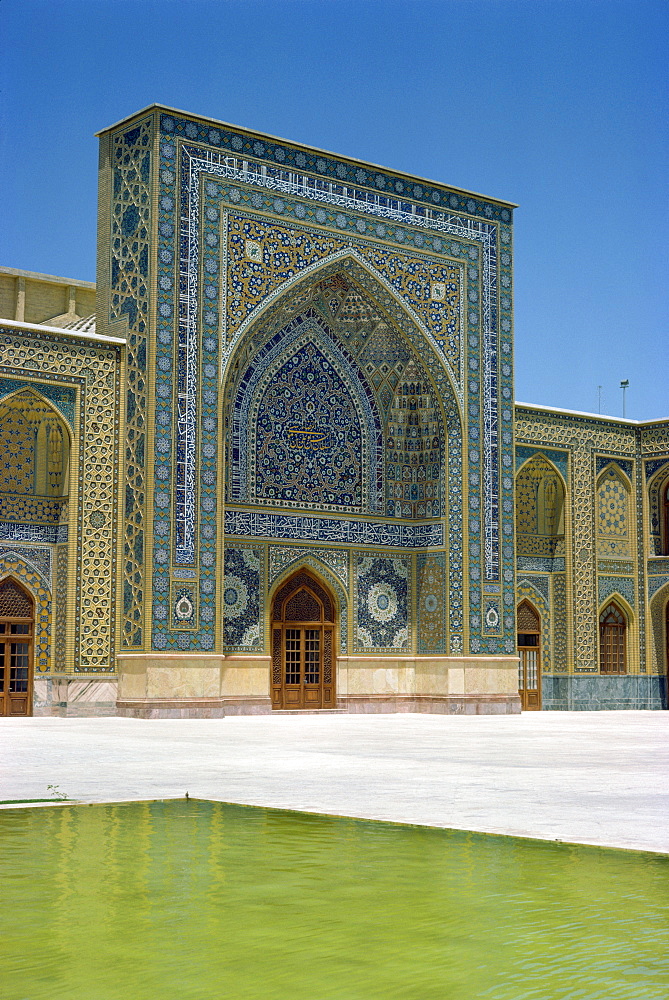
271,461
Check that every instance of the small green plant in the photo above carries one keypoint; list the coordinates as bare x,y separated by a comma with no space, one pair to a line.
56,793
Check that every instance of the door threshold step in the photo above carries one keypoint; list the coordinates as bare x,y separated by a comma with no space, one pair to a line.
310,711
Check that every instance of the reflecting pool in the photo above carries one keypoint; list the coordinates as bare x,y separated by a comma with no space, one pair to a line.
201,900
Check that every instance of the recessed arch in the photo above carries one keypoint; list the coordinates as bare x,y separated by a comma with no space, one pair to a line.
613,469
312,564
359,270
659,619
37,441
658,510
42,399
302,401
613,499
540,507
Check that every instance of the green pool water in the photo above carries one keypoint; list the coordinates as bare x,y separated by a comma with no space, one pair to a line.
162,900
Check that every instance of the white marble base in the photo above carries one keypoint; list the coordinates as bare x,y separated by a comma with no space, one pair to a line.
67,696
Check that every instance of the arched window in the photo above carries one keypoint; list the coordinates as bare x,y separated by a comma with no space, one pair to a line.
612,640
665,520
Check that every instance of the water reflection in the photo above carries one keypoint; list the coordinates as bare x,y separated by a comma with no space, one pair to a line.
153,901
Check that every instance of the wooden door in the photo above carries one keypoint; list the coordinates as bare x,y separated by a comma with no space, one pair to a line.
303,645
17,624
529,650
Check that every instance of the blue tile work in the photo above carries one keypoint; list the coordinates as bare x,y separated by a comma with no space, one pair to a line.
540,564
431,604
128,277
244,524
382,595
534,590
656,487
655,583
242,624
48,534
328,564
652,465
282,556
596,693
540,583
63,398
609,585
560,459
492,615
559,651
439,266
306,427
625,464
242,182
183,606
36,557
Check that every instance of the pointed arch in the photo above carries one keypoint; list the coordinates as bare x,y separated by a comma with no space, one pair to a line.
13,565
612,512
357,268
303,404
33,389
612,469
658,510
303,622
614,620
36,440
528,618
659,620
529,629
17,628
540,507
311,563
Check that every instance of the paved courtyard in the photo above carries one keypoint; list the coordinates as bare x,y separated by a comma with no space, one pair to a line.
585,777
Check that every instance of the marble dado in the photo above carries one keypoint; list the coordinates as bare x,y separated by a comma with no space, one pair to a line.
67,696
440,684
163,685
166,685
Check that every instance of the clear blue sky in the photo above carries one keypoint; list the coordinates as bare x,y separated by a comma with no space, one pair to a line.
560,106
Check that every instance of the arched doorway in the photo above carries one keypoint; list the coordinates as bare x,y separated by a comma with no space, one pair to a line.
529,650
17,624
612,640
303,625
666,655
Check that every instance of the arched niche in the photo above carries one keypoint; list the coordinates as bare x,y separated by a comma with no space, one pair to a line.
36,447
659,619
540,496
612,513
330,327
658,509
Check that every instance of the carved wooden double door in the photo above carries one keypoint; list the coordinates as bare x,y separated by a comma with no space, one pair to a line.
303,674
